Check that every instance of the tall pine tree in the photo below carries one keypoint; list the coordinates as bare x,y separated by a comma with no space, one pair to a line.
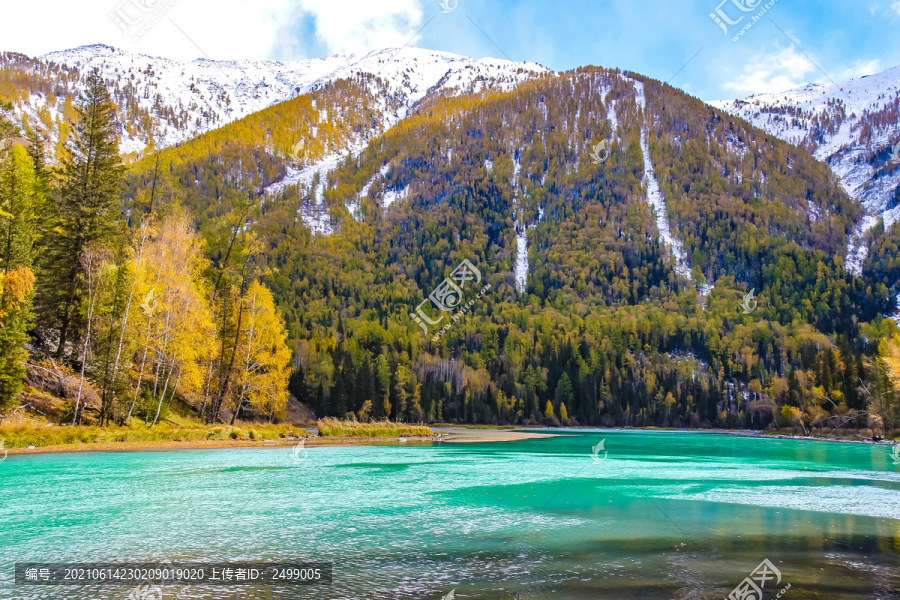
17,220
86,210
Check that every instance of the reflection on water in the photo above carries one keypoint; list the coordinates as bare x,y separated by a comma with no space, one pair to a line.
666,515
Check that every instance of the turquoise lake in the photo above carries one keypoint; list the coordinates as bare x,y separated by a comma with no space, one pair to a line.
652,515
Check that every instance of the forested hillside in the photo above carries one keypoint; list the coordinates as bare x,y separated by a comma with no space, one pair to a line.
132,317
853,127
617,293
588,247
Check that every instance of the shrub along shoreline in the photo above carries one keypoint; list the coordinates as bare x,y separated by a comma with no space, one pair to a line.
15,437
378,429
22,436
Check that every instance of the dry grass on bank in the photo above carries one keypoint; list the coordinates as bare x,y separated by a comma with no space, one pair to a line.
22,436
336,428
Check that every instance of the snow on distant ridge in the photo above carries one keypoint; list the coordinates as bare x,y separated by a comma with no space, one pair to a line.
848,125
212,93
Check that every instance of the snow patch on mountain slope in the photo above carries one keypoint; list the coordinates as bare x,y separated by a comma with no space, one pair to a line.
189,98
312,211
848,125
392,196
613,118
856,249
382,173
389,196
521,254
655,197
521,233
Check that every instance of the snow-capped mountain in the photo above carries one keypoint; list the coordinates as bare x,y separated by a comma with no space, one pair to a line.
853,126
184,99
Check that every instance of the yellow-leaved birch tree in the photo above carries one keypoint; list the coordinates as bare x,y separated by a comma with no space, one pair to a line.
174,322
264,359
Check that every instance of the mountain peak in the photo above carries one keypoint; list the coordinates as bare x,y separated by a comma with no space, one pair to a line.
185,98
850,125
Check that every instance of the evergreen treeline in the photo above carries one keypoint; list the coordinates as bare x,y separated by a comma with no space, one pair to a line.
140,314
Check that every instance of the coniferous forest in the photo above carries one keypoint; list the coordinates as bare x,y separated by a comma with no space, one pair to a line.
231,276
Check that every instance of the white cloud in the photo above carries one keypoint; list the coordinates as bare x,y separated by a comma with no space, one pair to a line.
896,6
775,72
363,25
220,28
860,68
224,29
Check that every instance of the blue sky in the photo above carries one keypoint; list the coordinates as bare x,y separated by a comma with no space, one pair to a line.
834,39
658,38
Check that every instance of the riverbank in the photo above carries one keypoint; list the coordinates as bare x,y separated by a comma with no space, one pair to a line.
275,436
35,435
813,438
269,436
850,439
308,442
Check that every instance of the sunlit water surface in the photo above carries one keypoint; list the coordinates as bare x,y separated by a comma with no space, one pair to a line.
653,515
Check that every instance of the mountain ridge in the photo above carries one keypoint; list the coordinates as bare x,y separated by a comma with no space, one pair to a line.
186,99
849,125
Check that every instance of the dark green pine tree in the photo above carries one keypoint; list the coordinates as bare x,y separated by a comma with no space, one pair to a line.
365,386
339,396
321,409
298,388
17,220
42,185
85,210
